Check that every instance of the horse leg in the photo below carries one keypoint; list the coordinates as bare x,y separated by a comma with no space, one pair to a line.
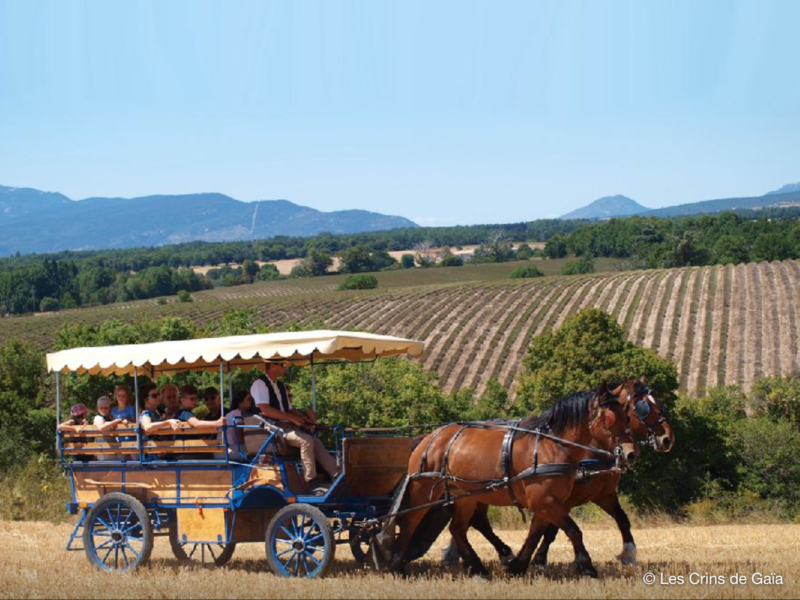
583,561
480,521
458,529
418,495
540,558
519,564
611,505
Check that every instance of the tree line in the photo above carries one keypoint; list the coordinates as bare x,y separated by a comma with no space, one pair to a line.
728,238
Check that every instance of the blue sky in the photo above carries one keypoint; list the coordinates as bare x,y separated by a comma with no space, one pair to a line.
444,112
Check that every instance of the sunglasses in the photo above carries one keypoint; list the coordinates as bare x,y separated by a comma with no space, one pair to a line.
154,395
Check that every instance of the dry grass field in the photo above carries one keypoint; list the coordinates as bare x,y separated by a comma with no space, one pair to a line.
35,565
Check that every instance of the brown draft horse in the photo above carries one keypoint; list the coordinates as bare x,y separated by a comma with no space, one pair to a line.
468,457
647,422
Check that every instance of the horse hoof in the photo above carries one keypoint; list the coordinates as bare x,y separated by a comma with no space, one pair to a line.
628,554
576,570
516,567
539,561
480,575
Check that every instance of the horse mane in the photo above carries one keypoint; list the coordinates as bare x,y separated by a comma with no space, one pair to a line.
568,412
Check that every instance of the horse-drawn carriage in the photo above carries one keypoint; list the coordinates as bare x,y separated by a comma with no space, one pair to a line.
130,486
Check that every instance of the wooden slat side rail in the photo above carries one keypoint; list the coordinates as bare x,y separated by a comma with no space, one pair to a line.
93,432
98,449
150,447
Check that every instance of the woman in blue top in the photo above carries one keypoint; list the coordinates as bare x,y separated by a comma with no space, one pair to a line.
151,419
124,409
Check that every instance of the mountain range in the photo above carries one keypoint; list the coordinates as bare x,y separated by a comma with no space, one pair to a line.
36,221
622,206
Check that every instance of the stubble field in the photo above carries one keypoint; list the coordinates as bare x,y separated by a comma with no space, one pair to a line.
35,564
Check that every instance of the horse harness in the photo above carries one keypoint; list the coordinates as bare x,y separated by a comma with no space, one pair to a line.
507,480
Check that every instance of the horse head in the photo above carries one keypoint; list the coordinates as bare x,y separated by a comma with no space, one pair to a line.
647,415
609,423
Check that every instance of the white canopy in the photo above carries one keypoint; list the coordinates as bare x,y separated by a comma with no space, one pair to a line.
240,351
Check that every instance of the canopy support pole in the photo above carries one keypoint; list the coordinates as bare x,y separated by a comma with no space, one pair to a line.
221,390
136,390
313,386
58,399
230,389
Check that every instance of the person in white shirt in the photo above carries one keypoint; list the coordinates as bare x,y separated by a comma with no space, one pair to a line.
272,399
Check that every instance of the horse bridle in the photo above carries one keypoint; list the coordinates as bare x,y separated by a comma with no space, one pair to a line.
643,407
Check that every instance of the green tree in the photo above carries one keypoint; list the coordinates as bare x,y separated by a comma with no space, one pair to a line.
407,261
49,304
448,259
391,392
556,247
359,282
524,252
588,349
251,270
526,272
317,262
768,456
772,246
777,398
583,265
269,272
356,260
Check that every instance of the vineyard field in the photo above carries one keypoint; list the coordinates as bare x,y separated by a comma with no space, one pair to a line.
721,324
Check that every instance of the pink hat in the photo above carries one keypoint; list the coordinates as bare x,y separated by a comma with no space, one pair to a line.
78,410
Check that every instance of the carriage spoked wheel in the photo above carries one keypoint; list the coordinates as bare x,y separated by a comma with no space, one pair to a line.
216,554
117,533
300,542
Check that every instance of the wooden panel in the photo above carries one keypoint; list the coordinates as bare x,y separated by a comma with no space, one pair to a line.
201,525
374,466
264,475
251,525
89,486
205,485
154,485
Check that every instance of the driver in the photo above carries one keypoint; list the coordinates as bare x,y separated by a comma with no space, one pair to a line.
272,399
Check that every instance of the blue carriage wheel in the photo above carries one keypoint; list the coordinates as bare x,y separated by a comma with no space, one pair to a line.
117,533
300,542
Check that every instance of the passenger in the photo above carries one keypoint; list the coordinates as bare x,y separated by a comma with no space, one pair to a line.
124,409
241,407
75,424
188,404
170,400
185,415
151,419
211,397
104,421
77,419
272,398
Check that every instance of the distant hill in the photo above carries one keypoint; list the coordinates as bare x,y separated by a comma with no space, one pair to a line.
723,204
607,207
36,221
787,189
